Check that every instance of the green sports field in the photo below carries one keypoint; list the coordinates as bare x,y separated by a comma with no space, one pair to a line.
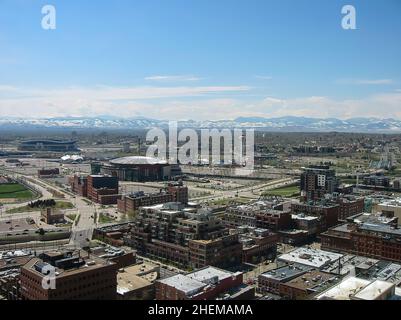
291,191
14,191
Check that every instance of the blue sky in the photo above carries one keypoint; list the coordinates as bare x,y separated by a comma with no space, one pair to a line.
200,59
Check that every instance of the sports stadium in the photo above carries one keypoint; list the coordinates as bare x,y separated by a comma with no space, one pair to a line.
138,168
48,145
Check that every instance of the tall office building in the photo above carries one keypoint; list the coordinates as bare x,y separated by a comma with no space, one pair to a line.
316,181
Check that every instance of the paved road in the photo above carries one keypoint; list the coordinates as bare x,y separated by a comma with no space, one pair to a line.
81,231
253,192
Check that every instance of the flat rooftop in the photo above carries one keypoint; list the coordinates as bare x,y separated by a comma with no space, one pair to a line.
285,273
193,283
184,283
392,203
14,254
90,264
391,272
136,277
304,217
312,280
208,273
371,222
367,264
15,262
293,231
345,289
366,268
310,257
141,268
374,290
141,195
166,207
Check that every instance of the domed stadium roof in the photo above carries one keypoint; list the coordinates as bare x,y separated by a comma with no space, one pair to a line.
135,160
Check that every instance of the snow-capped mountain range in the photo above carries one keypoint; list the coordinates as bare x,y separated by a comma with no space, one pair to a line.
289,123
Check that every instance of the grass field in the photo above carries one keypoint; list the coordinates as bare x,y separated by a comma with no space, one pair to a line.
291,191
15,191
103,218
59,205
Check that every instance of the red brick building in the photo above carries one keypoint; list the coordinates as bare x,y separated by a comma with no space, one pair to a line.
47,173
112,234
367,235
52,215
327,213
270,281
175,192
178,191
273,219
79,185
350,206
105,196
223,251
100,189
103,189
258,245
176,253
205,284
131,203
75,279
306,285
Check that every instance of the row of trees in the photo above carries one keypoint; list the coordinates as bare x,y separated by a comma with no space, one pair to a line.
42,203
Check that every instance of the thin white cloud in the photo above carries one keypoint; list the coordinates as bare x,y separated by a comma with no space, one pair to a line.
366,81
7,88
377,81
98,100
122,93
381,106
173,78
263,77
